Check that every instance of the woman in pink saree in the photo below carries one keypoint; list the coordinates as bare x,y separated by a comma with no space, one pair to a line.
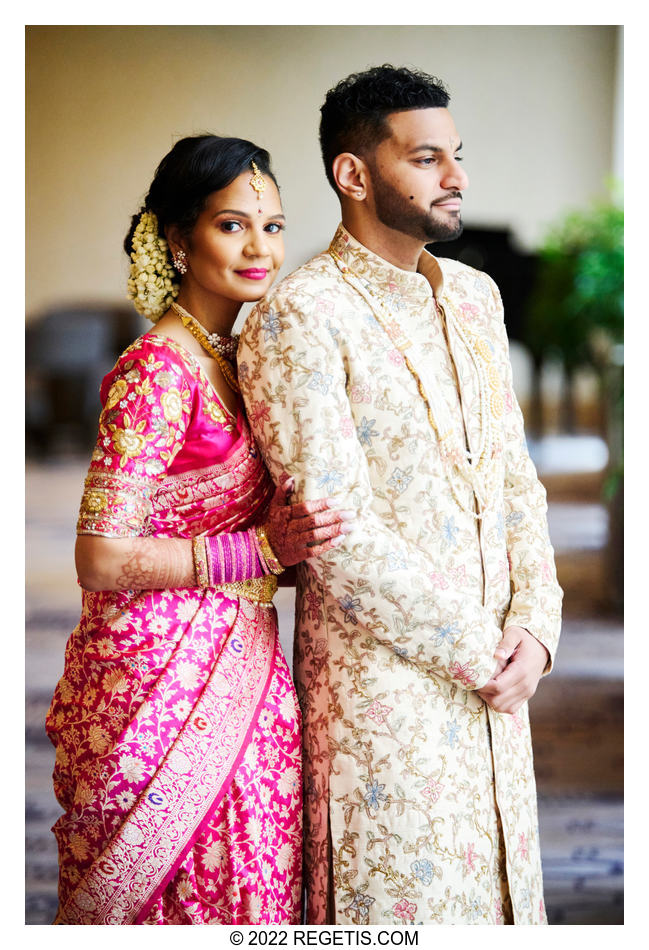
175,722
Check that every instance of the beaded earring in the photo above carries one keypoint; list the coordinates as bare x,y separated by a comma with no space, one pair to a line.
180,261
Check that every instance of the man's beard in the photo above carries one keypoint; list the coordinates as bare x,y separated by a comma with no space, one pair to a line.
398,213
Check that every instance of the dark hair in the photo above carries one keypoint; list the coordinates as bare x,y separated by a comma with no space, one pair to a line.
195,167
354,111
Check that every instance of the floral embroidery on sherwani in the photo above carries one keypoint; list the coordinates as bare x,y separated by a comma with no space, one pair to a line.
175,722
424,798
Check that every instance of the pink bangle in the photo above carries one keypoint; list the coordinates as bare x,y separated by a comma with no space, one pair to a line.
234,557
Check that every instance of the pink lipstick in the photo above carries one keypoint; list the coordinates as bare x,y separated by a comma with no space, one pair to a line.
253,273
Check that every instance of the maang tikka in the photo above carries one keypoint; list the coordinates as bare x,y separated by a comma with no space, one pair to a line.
257,181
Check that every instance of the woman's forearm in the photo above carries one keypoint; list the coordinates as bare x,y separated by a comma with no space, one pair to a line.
134,563
306,530
165,563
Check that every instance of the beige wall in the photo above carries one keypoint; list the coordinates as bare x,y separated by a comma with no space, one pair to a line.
534,105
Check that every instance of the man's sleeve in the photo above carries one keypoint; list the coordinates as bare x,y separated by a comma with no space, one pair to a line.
536,595
293,380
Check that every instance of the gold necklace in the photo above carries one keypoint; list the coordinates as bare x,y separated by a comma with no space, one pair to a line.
481,476
198,333
226,345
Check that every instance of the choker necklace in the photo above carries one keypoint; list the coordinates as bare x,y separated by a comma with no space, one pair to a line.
226,345
480,470
205,339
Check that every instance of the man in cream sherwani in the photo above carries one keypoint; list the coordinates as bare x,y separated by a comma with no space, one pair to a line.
380,375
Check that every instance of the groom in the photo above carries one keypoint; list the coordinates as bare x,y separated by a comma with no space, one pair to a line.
380,374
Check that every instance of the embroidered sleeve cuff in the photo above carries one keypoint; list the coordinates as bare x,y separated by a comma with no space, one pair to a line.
114,505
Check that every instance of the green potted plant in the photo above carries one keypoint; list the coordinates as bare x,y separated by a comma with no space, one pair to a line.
576,313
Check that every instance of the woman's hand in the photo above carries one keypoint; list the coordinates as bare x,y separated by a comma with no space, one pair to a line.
305,530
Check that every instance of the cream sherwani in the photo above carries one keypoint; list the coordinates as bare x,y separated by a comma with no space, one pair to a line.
420,803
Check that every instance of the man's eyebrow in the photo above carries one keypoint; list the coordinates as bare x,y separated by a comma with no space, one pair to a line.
432,148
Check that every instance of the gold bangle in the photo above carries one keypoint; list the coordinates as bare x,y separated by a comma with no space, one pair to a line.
201,569
272,563
258,590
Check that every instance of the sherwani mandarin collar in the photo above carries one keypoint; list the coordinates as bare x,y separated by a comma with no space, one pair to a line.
415,288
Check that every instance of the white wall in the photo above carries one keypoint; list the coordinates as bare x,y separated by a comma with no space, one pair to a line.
534,105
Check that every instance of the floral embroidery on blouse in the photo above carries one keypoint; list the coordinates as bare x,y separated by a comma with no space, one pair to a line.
148,407
145,416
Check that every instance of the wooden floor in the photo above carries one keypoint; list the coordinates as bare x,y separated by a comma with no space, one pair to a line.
576,713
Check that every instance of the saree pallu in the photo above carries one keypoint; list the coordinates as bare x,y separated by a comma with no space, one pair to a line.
175,722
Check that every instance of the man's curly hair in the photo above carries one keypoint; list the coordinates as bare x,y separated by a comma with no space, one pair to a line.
353,115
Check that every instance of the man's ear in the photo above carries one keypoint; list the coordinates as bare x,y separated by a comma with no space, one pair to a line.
351,176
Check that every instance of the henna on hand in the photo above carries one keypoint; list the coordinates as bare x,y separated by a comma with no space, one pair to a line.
304,530
157,564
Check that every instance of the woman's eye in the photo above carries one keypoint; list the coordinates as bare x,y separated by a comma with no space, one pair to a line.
274,228
230,226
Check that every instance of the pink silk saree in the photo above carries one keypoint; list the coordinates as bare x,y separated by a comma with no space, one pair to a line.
175,722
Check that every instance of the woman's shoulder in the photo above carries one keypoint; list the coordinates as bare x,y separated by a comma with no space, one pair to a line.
153,353
158,348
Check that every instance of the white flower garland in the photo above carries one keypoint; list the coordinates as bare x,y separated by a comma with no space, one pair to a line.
151,285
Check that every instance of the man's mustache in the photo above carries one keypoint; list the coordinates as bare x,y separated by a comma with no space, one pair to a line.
451,194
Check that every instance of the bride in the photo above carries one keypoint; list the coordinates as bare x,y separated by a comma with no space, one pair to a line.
175,722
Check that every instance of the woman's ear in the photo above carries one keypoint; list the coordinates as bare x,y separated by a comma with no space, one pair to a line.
174,240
